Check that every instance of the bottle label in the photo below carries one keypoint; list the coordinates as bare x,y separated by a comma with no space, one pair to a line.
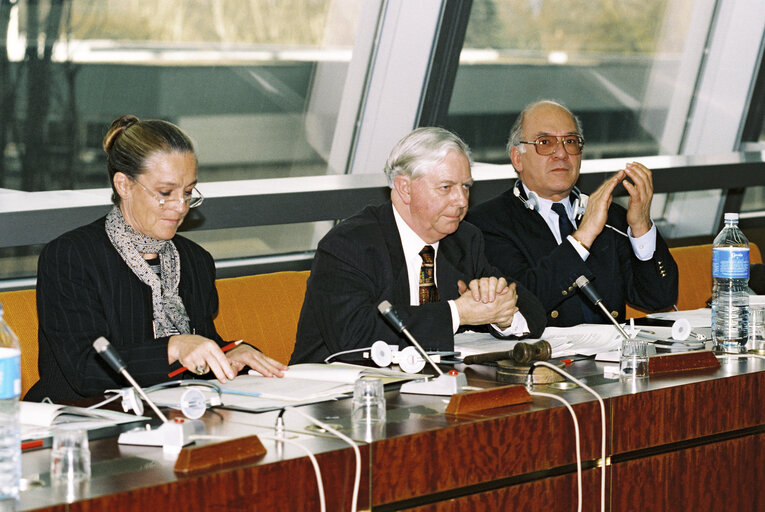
10,373
730,262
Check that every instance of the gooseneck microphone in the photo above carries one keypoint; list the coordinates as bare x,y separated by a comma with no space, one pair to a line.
589,290
113,359
386,310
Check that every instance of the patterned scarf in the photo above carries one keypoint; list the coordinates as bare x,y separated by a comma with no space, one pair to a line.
170,315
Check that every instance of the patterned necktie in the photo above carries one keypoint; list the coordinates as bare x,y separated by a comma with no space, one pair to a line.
428,290
564,224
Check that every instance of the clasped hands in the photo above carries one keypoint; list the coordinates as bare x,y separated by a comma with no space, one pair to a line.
201,355
488,300
640,189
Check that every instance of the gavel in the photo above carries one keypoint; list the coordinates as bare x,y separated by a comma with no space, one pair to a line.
522,353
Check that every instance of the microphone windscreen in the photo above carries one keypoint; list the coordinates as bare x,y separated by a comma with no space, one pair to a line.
584,284
109,354
386,309
101,344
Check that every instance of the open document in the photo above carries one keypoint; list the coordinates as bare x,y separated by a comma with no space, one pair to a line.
301,384
584,339
38,420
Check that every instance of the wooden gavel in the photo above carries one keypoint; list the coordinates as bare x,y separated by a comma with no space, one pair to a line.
522,353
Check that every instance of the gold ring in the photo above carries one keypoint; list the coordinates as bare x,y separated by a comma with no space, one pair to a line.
201,369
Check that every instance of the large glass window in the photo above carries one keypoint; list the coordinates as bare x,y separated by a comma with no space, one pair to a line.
617,65
238,76
256,84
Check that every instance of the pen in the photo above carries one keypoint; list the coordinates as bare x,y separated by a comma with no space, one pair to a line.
30,445
224,348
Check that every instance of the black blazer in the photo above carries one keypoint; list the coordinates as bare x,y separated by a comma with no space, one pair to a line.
520,243
360,263
85,290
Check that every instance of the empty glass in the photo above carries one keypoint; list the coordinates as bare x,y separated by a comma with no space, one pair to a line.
633,361
757,324
70,455
368,401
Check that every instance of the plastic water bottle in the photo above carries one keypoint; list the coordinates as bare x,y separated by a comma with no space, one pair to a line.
10,389
730,295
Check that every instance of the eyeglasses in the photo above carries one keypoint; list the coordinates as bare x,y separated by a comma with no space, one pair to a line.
548,144
192,201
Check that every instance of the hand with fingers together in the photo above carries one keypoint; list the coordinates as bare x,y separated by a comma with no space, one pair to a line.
640,190
247,356
596,214
487,301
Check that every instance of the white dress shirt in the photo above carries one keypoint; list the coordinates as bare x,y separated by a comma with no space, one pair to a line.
643,246
412,245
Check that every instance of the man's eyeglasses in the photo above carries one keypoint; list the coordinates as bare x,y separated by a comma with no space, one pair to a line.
192,201
548,144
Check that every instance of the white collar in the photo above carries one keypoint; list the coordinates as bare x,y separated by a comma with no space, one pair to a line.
410,241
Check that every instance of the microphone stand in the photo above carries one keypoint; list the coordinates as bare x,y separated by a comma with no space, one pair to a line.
584,284
445,384
172,436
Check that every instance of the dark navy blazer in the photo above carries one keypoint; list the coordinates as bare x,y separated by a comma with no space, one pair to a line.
360,263
520,243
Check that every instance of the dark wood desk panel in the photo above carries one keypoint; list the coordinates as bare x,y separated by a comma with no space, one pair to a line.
286,485
703,431
718,477
555,494
689,411
507,442
139,479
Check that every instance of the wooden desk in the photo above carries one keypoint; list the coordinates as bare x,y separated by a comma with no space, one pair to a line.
689,442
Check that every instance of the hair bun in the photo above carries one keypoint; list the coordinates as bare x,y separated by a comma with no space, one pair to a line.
118,126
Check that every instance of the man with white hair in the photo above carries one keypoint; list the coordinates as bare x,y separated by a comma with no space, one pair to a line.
549,234
415,253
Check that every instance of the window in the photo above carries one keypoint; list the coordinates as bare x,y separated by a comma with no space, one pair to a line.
238,77
257,85
614,64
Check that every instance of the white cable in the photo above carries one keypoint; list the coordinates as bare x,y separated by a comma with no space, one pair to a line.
602,419
344,352
576,436
107,401
314,462
348,440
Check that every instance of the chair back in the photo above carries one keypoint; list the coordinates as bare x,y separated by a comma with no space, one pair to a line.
20,311
694,266
263,310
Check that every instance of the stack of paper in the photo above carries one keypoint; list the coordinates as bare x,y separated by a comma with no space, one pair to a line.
584,339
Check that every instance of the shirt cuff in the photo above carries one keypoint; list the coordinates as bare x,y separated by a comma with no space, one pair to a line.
455,316
644,246
583,253
519,327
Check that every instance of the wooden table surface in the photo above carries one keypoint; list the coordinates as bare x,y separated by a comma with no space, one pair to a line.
689,441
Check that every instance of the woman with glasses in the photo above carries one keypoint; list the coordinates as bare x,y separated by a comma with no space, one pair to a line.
130,278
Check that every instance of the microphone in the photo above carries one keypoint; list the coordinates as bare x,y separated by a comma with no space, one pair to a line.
589,290
113,359
171,435
444,384
386,310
